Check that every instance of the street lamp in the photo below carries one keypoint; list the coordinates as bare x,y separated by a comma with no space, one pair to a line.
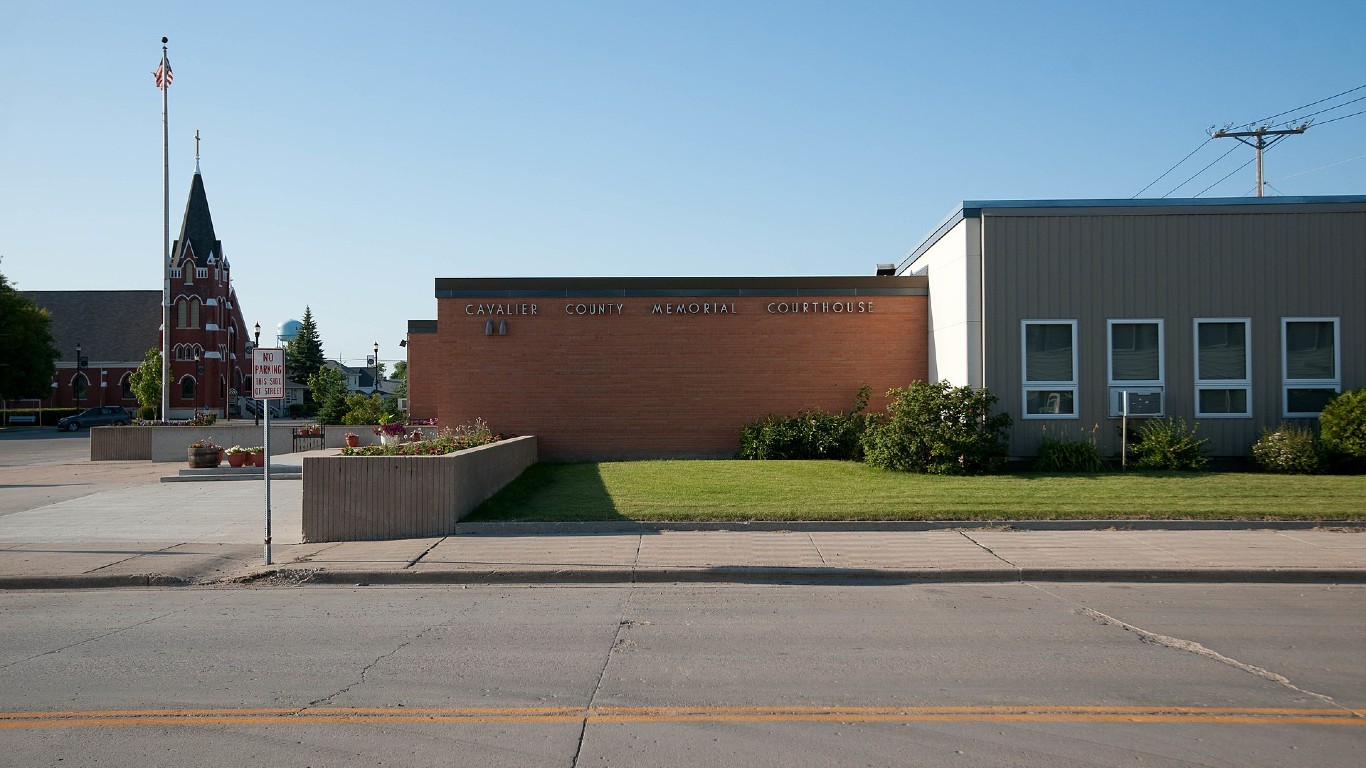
256,342
228,389
199,373
376,366
74,385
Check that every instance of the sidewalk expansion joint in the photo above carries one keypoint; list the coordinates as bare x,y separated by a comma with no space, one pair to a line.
425,552
989,550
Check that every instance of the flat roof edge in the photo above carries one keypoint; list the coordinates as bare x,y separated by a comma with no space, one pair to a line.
973,209
446,287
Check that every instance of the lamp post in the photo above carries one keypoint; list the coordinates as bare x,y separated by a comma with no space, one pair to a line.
256,342
74,386
376,367
199,373
228,389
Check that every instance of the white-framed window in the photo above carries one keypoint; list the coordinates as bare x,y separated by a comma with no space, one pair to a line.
1136,365
201,272
1223,368
1048,363
1311,364
175,272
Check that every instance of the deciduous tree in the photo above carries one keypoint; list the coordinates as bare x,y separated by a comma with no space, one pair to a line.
28,359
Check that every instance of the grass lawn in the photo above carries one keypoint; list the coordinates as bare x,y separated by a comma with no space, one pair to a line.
832,490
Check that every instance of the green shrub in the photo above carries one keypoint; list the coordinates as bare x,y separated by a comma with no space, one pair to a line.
362,409
807,435
1063,454
1169,444
1289,449
148,412
937,429
1342,429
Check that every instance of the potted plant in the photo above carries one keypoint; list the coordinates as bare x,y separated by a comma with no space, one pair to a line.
237,456
390,432
204,453
258,455
352,439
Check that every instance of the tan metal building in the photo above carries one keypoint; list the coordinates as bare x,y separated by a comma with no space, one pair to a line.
1234,313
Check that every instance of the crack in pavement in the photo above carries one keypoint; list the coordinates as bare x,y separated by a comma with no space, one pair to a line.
1190,646
111,632
622,624
366,669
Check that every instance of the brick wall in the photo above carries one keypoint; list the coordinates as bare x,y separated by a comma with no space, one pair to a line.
631,383
422,375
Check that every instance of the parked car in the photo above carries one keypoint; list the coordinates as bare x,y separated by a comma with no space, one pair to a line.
96,417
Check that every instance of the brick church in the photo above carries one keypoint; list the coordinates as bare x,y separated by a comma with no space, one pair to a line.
104,335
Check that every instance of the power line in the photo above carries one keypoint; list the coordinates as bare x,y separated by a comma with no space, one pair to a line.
1202,170
1320,168
1330,109
1230,173
1169,170
1306,106
1344,117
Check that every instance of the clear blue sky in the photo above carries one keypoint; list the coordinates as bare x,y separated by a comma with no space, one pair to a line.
353,152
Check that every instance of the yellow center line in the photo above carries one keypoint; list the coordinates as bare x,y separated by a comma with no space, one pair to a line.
664,714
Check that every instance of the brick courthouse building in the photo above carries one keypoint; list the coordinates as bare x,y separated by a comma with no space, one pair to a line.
1237,313
659,367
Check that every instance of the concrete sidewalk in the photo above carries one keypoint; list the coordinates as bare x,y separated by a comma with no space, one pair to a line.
142,532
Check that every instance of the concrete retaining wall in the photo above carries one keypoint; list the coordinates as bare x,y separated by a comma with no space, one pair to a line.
367,498
122,444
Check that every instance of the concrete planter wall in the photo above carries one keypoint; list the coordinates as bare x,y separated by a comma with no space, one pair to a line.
123,444
367,498
168,443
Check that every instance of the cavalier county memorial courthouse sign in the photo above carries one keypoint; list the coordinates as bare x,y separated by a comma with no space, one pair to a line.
587,366
670,308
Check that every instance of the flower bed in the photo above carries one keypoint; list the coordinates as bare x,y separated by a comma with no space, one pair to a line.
417,444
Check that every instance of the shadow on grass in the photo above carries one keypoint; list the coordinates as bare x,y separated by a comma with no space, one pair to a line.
563,492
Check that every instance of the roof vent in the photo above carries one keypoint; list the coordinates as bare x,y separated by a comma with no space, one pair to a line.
886,270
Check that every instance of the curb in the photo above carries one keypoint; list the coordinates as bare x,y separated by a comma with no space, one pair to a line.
735,575
93,581
831,576
633,527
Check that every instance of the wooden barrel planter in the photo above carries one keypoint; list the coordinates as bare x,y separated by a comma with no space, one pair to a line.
202,457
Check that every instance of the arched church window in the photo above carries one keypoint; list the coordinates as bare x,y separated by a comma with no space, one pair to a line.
187,388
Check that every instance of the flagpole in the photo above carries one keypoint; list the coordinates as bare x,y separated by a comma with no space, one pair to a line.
166,243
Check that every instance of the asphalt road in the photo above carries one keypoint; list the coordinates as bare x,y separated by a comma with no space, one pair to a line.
945,675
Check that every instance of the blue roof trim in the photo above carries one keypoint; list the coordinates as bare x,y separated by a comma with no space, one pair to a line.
972,209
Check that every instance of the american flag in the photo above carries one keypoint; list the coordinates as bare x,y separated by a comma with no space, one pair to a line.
163,70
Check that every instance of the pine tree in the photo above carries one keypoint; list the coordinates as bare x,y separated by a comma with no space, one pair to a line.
304,353
25,346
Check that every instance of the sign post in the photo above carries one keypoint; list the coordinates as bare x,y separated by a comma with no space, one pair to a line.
267,383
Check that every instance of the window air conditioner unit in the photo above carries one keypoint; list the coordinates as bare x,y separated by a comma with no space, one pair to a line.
1143,401
403,403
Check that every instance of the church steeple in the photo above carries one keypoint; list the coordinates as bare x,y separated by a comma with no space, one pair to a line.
196,229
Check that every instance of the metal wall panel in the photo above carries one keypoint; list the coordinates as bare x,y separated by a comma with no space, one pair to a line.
1177,266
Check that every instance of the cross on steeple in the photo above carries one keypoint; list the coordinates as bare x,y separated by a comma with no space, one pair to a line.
196,150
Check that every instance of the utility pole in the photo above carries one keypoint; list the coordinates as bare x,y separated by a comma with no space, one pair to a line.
1259,142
